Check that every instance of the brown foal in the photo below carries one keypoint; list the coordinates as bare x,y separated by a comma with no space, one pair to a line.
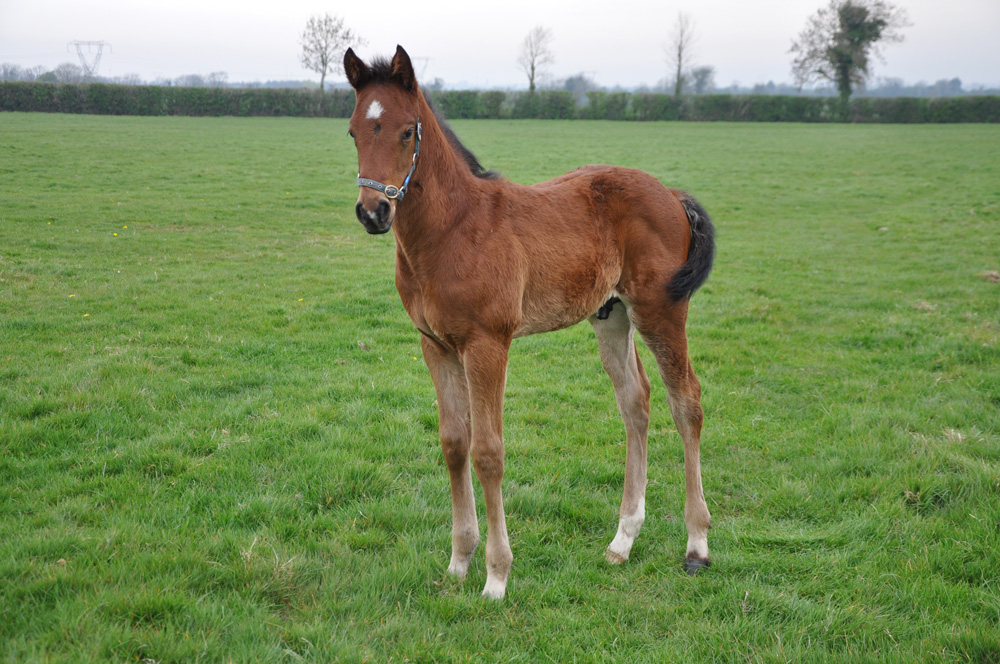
481,260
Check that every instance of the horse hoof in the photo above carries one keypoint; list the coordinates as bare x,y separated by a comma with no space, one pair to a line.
614,558
694,565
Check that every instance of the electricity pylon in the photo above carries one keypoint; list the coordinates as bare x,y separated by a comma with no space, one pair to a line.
89,68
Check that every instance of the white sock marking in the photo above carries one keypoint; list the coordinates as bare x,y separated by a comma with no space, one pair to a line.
628,528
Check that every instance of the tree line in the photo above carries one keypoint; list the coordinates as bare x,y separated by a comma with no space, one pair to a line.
579,85
836,48
69,72
111,99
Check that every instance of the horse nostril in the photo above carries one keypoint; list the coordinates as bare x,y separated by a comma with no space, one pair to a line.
377,220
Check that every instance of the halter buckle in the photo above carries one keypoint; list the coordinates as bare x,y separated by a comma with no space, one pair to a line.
391,192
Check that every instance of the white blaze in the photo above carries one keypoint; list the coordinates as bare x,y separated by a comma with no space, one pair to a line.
375,110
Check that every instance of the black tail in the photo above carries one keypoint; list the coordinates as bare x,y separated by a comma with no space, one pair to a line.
701,253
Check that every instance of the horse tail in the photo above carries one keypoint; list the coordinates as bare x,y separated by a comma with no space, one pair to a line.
701,253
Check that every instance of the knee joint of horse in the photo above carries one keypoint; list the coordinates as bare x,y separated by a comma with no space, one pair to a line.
488,462
456,449
691,411
643,393
692,408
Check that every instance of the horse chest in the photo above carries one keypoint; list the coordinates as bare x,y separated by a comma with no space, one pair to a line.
426,312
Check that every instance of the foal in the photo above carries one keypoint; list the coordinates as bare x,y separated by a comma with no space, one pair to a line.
481,260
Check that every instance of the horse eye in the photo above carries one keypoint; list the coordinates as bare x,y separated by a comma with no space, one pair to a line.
350,133
408,134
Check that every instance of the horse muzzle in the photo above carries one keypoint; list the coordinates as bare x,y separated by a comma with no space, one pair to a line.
378,220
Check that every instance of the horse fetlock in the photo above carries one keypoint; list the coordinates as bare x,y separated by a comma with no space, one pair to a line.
497,571
495,588
697,547
459,565
628,529
463,546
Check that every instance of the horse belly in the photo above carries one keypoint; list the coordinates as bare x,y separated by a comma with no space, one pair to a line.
567,297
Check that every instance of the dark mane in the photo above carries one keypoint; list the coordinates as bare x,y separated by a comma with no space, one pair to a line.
381,72
464,152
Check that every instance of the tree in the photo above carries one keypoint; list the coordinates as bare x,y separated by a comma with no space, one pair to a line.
839,40
579,86
190,81
129,79
11,72
703,80
67,72
324,41
536,54
680,51
217,79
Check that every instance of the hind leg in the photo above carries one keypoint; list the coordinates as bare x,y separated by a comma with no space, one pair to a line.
616,339
662,327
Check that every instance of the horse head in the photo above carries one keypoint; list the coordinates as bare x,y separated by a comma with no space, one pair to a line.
386,130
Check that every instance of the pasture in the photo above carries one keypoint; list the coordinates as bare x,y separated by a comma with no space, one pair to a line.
217,442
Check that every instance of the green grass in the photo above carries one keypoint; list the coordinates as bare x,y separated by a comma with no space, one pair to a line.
216,443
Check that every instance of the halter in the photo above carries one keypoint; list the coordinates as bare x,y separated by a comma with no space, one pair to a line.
396,193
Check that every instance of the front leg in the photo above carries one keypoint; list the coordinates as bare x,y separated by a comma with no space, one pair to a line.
485,362
454,425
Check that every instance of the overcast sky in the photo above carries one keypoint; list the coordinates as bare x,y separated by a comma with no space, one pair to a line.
475,44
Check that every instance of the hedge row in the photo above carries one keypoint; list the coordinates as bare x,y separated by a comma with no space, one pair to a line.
559,104
105,99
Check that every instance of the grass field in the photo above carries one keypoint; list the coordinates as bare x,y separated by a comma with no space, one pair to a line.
217,443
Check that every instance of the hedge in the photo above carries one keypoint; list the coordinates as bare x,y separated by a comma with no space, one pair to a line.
107,99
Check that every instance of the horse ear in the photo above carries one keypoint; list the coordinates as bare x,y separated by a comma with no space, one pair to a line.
402,69
357,71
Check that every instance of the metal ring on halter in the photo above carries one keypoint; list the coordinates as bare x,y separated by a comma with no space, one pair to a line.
388,190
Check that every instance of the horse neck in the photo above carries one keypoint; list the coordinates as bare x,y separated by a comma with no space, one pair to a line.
442,189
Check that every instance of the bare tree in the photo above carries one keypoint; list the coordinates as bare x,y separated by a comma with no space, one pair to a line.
840,39
67,72
34,73
217,79
536,54
11,72
324,41
680,51
129,79
190,81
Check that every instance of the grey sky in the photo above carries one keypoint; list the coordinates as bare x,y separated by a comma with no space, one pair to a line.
476,44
